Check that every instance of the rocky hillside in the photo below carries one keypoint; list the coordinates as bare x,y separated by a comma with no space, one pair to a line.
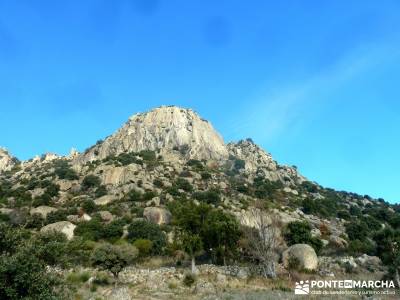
166,185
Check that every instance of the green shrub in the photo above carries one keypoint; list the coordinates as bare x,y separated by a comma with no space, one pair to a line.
90,230
149,195
144,246
89,206
101,191
357,230
102,278
34,221
113,257
56,216
64,171
52,190
359,247
211,197
264,188
134,196
189,279
158,183
91,181
78,277
146,230
183,184
113,231
79,251
300,233
195,164
344,214
309,186
239,164
50,247
23,274
44,199
148,155
205,175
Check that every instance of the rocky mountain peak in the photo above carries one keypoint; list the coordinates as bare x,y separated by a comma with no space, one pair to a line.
170,130
7,161
254,156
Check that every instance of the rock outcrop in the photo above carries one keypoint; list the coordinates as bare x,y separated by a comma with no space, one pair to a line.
7,161
43,211
304,254
157,215
169,130
64,227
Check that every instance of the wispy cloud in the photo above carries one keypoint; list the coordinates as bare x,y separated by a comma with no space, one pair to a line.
274,110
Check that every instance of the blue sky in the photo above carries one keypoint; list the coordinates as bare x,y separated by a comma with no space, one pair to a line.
316,83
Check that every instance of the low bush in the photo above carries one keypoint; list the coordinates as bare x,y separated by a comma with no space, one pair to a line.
113,258
146,230
91,181
300,233
144,246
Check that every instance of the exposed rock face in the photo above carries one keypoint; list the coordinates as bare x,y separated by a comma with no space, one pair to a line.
64,227
305,255
119,175
6,160
42,210
171,130
157,215
260,163
50,156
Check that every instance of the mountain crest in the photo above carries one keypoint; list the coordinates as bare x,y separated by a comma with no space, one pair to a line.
170,130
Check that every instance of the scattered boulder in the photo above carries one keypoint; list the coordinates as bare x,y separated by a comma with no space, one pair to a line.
64,227
6,211
367,261
157,215
42,210
104,200
348,261
305,255
106,216
65,185
77,218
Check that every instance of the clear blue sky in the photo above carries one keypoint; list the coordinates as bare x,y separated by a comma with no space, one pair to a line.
316,83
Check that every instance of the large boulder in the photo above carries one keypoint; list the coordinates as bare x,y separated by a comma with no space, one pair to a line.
305,255
64,227
42,210
106,216
104,200
157,215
